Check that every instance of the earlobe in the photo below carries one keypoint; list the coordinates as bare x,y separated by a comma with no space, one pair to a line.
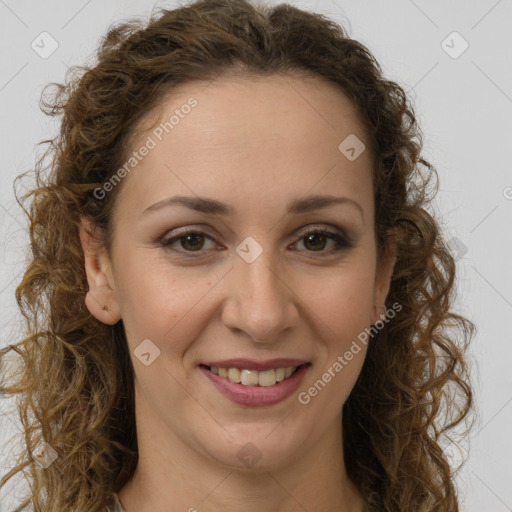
100,298
107,315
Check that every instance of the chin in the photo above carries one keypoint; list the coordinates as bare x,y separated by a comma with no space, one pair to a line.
255,449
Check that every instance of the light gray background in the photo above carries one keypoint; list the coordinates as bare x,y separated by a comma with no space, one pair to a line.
464,105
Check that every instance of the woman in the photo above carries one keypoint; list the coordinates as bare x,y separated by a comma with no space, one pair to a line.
237,298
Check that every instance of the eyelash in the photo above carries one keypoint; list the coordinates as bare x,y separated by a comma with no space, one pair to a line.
342,242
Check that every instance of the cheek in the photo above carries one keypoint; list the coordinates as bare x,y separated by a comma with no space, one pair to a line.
343,298
161,302
349,308
342,306
343,315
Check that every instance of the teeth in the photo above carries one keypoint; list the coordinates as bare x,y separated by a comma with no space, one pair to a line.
248,377
252,377
234,375
267,378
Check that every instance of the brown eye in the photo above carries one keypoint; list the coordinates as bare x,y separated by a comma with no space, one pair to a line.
315,241
192,241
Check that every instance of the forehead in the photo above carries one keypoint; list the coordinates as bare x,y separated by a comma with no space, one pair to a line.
259,137
247,107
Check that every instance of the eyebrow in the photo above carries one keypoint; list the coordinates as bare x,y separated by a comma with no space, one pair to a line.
214,207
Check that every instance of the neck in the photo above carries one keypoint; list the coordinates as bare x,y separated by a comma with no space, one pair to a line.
171,476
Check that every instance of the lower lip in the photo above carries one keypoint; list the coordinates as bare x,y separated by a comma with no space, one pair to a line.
257,396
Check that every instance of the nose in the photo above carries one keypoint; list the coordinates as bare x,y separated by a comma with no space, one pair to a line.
260,301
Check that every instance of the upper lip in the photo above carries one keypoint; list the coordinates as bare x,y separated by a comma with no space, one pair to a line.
252,364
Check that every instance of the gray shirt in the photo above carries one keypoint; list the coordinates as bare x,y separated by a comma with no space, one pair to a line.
117,507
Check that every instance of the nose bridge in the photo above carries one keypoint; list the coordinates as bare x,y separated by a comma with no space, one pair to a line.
259,303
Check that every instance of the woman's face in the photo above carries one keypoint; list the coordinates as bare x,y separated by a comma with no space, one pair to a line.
248,281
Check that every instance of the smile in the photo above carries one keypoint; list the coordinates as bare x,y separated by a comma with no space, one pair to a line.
254,388
253,377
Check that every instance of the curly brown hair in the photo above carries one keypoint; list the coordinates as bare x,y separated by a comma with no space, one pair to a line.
75,380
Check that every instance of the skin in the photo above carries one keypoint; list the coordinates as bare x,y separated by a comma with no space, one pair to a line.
256,145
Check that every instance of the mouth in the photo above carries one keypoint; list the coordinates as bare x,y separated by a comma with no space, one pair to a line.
248,377
253,388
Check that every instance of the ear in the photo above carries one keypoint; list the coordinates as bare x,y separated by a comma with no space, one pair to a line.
100,298
384,274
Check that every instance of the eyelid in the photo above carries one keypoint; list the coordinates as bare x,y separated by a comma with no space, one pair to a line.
315,228
334,233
